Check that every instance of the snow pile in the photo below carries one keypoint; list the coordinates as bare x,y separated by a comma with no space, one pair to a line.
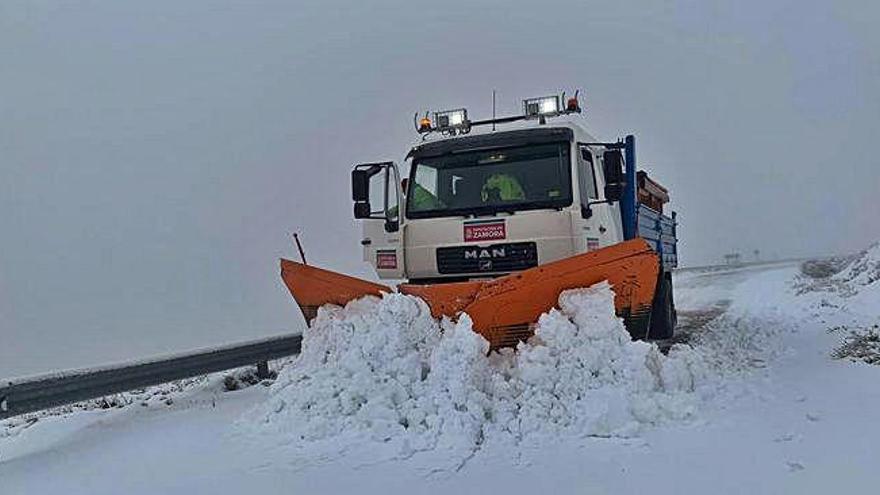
848,303
386,370
861,282
583,373
864,270
845,276
850,295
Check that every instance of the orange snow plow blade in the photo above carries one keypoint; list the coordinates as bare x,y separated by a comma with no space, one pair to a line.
313,287
504,309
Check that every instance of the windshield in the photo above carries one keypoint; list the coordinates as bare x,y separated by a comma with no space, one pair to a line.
491,181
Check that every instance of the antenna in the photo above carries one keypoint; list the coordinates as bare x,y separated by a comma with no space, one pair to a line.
302,253
493,110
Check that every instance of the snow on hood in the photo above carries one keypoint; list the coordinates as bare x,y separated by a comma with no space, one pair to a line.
384,369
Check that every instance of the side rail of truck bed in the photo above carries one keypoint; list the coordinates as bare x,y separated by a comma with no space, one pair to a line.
660,232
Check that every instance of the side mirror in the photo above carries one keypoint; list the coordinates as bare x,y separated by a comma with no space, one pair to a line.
615,179
360,188
613,192
361,210
376,178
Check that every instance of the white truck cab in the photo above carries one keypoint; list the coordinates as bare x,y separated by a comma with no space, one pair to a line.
480,203
454,224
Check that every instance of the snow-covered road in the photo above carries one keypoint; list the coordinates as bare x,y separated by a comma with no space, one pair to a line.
774,414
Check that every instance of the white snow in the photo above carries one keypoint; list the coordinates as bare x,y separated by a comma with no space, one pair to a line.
864,270
849,297
862,281
386,400
385,368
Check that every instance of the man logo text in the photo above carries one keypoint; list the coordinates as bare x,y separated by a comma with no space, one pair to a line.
488,253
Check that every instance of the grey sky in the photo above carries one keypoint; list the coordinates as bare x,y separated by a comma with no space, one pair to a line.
155,156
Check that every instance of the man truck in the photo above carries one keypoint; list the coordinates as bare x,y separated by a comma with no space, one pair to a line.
496,217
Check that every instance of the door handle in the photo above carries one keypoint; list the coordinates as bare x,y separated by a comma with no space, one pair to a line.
366,242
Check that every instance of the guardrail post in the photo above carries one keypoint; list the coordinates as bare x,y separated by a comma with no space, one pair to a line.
263,370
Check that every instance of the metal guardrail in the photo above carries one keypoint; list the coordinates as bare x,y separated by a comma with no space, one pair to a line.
20,396
748,264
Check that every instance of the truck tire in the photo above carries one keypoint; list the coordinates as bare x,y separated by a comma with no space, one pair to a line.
663,317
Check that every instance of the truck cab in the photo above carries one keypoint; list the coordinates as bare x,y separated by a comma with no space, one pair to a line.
485,203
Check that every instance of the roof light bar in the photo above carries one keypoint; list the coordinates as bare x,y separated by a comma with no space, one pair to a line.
544,106
452,121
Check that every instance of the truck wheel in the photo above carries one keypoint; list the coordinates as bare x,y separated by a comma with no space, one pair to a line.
663,312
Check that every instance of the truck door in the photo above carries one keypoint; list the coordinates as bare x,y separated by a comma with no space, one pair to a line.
598,228
377,196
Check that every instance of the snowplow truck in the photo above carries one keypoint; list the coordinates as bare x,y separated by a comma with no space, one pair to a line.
497,222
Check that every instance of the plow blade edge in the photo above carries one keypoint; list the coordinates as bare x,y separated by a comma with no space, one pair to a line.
314,287
504,309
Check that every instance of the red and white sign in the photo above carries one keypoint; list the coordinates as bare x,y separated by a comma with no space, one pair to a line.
485,231
386,260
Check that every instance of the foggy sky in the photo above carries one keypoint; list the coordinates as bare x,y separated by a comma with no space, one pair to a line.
155,156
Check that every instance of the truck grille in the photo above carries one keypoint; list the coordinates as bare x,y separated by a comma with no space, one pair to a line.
497,258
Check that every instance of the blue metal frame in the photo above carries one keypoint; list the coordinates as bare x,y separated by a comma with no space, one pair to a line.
640,221
660,232
628,201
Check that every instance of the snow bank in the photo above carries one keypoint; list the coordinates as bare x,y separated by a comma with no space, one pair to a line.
386,370
864,270
854,290
848,303
861,280
844,276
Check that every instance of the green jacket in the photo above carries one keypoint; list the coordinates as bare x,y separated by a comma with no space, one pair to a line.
423,199
507,186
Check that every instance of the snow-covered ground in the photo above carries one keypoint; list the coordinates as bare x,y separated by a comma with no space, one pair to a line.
383,401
